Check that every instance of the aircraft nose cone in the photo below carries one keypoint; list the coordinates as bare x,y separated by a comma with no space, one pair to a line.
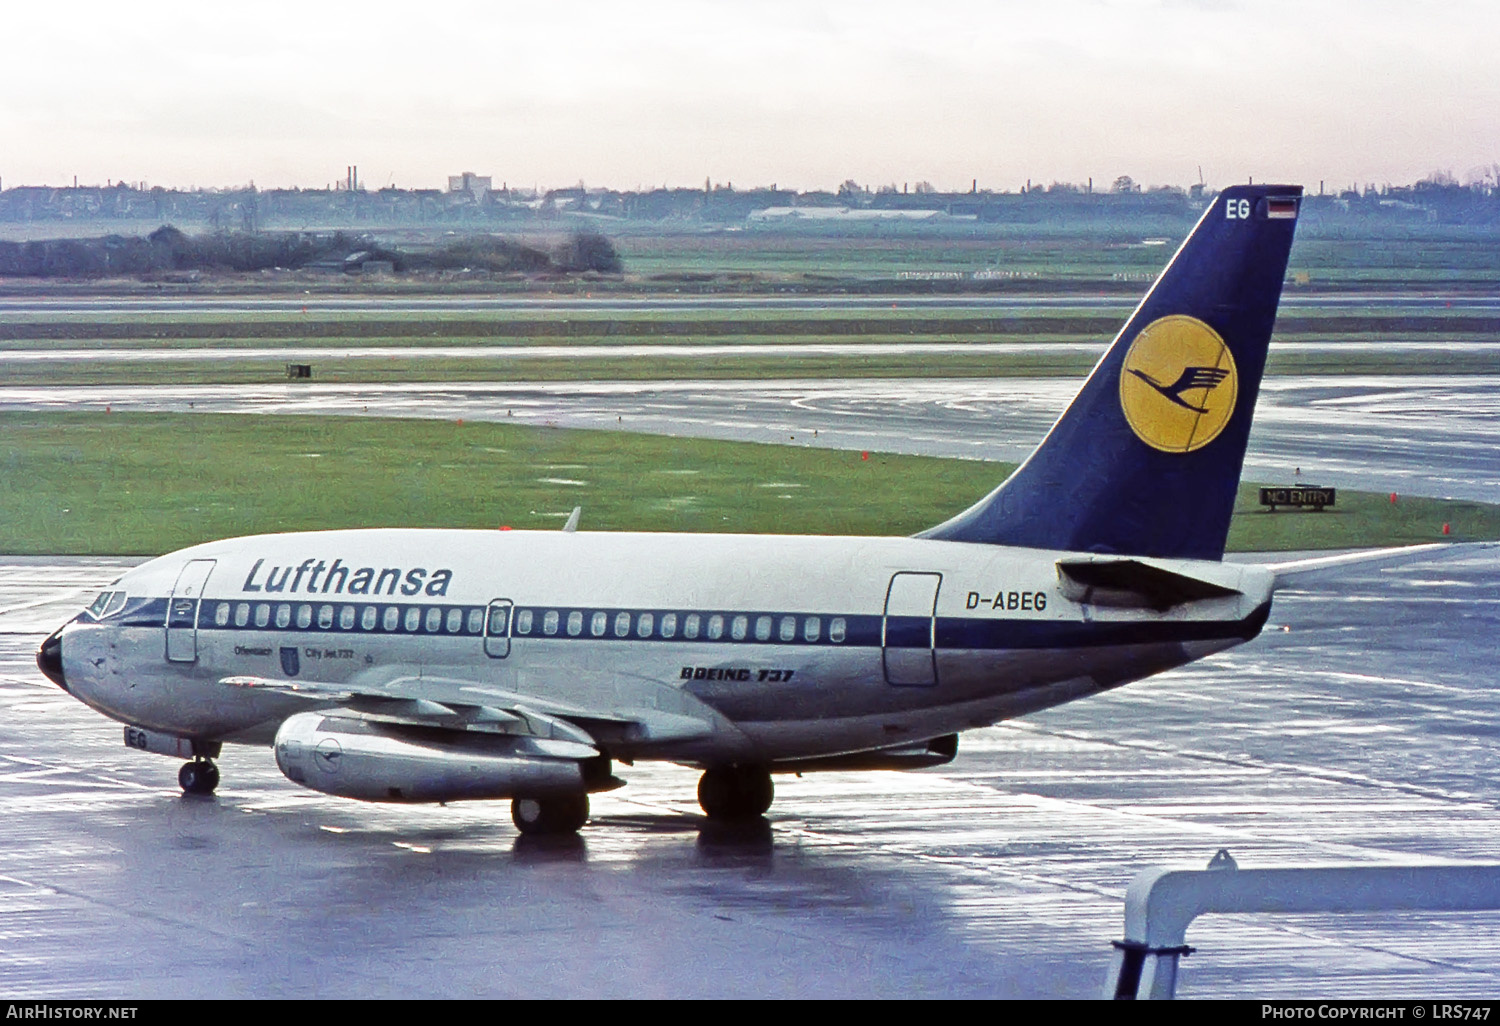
49,659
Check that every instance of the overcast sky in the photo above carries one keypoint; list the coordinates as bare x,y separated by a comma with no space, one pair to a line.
804,94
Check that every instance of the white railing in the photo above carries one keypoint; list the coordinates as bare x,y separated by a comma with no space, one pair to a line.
1162,902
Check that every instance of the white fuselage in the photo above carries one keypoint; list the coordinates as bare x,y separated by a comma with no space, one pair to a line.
716,648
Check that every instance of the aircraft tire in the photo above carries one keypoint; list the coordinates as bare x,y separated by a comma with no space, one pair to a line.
735,792
540,816
198,777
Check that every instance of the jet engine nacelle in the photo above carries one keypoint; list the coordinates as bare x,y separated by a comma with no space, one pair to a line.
339,752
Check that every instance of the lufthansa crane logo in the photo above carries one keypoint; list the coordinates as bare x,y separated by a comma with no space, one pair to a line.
1178,384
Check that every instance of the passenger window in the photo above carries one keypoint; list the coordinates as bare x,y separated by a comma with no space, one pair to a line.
669,625
434,619
762,628
690,626
622,624
262,614
836,629
346,618
391,619
597,623
413,618
739,627
454,621
644,624
242,614
715,627
221,614
549,622
325,616
812,627
788,628
523,622
283,615
304,616
476,621
497,621
575,623
368,618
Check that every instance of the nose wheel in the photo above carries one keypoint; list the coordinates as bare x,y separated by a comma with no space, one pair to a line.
200,776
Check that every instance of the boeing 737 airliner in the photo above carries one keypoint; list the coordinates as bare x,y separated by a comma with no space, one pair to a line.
438,665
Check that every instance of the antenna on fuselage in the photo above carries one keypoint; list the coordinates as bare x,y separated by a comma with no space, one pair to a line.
572,524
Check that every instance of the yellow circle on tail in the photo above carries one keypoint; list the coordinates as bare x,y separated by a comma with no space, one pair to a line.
1178,384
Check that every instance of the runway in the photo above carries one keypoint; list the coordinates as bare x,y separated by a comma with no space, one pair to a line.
1359,728
147,354
1437,298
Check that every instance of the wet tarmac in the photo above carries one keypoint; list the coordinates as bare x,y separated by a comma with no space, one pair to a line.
1361,727
1435,435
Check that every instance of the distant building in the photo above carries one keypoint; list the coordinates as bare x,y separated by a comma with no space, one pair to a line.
477,186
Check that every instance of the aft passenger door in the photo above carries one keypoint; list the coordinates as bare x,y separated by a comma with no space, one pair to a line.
182,611
497,629
908,631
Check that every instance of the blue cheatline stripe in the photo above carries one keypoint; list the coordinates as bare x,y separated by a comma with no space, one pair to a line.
860,630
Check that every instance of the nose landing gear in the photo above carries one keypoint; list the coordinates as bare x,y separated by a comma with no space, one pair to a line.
200,776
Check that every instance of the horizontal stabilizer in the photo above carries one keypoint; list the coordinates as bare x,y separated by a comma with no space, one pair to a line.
1132,584
1306,571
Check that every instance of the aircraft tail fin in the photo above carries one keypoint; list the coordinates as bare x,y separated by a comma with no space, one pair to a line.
1146,460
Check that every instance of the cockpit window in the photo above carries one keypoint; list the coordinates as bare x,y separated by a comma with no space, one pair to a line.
108,604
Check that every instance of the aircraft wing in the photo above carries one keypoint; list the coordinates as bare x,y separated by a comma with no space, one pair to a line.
464,705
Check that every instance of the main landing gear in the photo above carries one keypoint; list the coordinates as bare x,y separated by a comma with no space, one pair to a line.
550,816
200,776
735,792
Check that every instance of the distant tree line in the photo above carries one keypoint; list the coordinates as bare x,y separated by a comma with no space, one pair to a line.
169,250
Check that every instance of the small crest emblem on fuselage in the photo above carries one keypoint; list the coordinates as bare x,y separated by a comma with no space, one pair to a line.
1178,384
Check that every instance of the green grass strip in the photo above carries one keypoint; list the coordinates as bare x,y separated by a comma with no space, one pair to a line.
146,483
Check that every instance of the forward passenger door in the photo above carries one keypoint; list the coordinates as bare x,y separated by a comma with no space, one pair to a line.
182,611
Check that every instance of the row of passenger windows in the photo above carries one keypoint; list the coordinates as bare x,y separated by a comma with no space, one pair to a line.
431,619
529,622
690,626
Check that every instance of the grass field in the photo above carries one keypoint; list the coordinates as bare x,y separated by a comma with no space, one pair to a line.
86,483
